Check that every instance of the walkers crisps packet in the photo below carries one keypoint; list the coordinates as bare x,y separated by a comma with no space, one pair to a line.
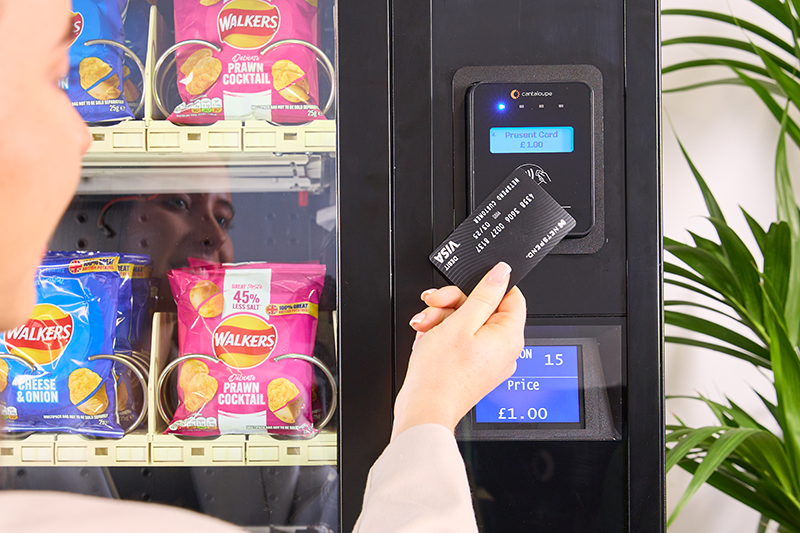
244,316
94,83
238,82
74,318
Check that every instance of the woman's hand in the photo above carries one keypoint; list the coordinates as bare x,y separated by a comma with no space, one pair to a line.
465,348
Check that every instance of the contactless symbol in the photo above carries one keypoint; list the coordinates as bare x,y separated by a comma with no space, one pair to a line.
538,174
515,94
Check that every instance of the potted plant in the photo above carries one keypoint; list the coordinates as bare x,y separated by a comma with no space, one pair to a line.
754,290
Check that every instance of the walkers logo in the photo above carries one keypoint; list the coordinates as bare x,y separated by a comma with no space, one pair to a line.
77,27
244,341
248,24
44,337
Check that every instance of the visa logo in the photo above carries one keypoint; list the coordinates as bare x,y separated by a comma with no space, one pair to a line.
446,251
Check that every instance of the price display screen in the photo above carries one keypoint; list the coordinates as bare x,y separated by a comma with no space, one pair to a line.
544,140
545,389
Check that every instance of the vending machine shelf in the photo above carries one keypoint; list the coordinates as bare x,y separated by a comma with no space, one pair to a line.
186,173
225,136
149,446
141,449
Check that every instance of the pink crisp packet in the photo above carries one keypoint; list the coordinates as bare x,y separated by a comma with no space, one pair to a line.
243,316
239,83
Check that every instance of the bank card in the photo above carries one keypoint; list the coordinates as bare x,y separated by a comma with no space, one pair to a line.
518,223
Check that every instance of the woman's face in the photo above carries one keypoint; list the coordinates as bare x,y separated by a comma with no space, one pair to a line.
173,227
42,140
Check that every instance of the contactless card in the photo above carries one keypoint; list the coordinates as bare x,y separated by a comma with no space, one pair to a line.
518,223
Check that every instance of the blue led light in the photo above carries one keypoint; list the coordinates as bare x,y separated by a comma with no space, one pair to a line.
501,106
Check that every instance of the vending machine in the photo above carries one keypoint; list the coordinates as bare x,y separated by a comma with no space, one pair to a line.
265,184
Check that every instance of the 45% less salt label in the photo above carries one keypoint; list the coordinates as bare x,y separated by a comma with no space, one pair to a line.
544,389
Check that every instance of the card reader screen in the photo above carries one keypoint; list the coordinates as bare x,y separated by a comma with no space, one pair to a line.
545,140
544,389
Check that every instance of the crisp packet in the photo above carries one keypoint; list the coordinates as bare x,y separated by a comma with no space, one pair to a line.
133,320
244,316
94,83
136,28
74,318
238,82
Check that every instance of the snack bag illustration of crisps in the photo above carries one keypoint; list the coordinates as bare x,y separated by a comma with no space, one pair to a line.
95,80
74,319
244,316
239,83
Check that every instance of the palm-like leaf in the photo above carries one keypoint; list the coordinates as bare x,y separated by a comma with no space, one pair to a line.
756,312
772,69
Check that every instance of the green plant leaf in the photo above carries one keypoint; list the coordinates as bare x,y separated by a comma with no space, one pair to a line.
744,268
712,329
787,212
777,10
726,42
717,62
784,193
743,24
717,453
765,452
707,244
778,261
692,288
716,274
750,496
676,434
773,409
688,443
771,87
685,303
750,358
786,369
743,417
786,82
711,203
755,228
773,106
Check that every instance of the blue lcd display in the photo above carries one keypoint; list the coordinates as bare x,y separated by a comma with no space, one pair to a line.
544,140
544,389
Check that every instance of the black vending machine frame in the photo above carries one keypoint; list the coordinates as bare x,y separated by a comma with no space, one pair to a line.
427,205
364,234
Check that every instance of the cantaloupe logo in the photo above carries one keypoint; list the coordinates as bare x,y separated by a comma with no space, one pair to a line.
244,341
248,24
43,338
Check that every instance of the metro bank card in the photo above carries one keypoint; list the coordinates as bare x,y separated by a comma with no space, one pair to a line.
518,223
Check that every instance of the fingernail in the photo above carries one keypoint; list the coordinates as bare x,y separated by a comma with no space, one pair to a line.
416,340
498,275
419,317
427,293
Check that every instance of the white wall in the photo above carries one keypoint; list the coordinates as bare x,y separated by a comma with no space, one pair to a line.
731,138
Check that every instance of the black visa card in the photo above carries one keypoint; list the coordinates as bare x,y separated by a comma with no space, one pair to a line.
518,223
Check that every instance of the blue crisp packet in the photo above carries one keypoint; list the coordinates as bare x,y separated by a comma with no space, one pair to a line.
95,80
132,325
142,300
74,319
137,26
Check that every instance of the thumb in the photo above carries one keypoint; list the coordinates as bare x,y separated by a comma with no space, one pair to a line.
484,298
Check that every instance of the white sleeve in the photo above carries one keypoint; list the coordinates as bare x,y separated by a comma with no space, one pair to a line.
33,511
418,484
